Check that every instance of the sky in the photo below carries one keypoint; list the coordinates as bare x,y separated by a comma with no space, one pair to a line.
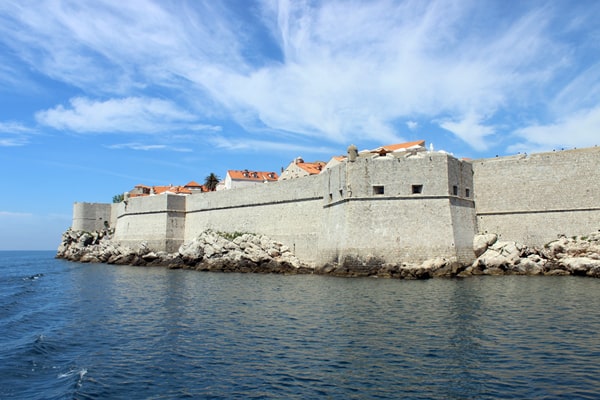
99,96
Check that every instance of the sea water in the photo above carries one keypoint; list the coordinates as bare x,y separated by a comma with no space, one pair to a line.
93,331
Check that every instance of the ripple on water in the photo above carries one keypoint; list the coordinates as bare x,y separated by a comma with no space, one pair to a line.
97,331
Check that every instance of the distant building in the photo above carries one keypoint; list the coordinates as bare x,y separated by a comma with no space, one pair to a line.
298,168
235,179
195,187
143,190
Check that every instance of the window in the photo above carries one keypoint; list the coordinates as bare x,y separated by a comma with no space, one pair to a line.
467,192
417,189
378,190
455,190
330,197
341,192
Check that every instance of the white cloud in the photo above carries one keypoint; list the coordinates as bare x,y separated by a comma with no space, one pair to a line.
14,134
131,114
471,130
244,144
10,214
412,125
329,70
580,129
582,92
348,72
148,147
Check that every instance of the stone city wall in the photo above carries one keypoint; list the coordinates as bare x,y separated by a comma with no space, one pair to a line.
158,221
288,211
396,209
90,217
390,208
534,198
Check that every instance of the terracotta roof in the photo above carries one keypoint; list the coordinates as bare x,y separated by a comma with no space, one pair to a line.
312,168
193,184
187,189
258,176
171,189
399,146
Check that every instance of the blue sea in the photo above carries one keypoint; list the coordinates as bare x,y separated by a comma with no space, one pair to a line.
94,331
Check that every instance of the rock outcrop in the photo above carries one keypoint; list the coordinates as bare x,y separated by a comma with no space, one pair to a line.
432,268
216,251
211,251
579,255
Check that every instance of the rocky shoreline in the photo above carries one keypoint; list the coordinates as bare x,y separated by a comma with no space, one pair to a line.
244,252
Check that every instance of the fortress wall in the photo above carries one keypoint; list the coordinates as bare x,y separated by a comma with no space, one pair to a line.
462,207
379,215
288,211
397,229
91,216
464,226
532,199
157,220
116,209
460,175
399,174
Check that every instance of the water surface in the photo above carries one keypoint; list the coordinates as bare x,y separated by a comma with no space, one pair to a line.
91,331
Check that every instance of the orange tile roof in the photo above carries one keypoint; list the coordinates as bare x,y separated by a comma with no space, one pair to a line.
194,184
312,168
399,146
258,176
171,189
187,189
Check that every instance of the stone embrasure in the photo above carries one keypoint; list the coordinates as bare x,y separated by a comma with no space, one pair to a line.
215,251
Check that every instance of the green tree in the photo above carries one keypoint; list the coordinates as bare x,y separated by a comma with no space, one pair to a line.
117,198
211,182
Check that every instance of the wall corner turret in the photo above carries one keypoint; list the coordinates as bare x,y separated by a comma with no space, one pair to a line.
352,153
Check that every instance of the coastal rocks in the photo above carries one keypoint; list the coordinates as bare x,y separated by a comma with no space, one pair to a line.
227,252
482,242
213,251
210,251
578,255
355,267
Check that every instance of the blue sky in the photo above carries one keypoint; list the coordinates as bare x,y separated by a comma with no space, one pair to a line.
98,96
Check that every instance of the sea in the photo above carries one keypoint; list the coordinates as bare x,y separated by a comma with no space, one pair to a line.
97,331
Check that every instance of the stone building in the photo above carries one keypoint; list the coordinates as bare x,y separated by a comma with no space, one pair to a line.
237,179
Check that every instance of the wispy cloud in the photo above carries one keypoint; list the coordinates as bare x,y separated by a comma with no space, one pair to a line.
349,72
131,114
579,129
333,70
14,134
251,145
412,125
11,214
148,147
471,130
